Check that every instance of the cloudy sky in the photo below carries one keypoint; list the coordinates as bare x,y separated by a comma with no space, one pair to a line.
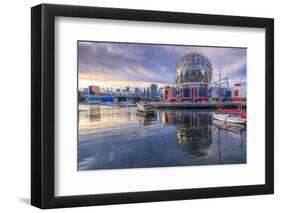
138,65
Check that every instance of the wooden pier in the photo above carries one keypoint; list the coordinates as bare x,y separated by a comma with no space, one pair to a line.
198,105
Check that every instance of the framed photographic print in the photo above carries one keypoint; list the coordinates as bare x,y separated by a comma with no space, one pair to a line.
139,106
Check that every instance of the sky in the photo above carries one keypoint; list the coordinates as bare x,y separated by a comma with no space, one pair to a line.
118,65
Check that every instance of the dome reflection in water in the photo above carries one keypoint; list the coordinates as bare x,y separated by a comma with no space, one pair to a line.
116,138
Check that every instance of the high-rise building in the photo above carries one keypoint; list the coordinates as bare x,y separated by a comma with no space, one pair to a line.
153,92
144,93
127,89
137,90
161,94
147,96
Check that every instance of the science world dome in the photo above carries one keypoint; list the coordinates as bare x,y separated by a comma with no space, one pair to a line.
194,67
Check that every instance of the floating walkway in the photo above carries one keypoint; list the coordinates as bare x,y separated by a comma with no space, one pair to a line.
198,105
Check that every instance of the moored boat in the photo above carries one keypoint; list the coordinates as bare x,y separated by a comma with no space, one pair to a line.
109,103
145,109
230,115
126,104
92,102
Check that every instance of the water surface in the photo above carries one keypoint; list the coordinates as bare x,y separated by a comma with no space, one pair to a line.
112,137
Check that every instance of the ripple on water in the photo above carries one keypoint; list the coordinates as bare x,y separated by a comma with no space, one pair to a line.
113,137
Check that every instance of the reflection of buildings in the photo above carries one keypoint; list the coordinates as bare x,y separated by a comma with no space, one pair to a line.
90,113
193,135
110,115
147,120
195,132
236,130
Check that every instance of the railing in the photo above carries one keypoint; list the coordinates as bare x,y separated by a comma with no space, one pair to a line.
198,103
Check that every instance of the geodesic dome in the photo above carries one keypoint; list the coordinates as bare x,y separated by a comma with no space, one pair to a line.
194,67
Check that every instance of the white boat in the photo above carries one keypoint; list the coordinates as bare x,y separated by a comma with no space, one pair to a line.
109,103
126,104
145,109
229,124
228,117
93,102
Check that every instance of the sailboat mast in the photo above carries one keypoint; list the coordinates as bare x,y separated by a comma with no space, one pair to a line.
219,93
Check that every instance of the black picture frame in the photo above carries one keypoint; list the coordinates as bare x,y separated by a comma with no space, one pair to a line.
43,105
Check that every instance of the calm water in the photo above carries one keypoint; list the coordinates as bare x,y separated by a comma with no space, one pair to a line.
117,137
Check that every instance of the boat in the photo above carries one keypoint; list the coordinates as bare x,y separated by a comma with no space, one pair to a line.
93,102
228,125
126,104
109,103
145,109
230,116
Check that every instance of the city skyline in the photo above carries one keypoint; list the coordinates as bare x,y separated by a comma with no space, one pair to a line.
120,65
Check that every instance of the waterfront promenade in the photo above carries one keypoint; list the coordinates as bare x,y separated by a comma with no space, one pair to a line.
198,105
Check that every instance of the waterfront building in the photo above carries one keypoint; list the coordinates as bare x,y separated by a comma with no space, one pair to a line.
83,92
193,74
153,92
237,93
103,97
94,90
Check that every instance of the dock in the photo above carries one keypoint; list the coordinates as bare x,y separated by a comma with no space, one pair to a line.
198,105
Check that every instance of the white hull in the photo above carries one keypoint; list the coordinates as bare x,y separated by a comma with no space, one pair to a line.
229,118
127,104
145,109
109,104
93,102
